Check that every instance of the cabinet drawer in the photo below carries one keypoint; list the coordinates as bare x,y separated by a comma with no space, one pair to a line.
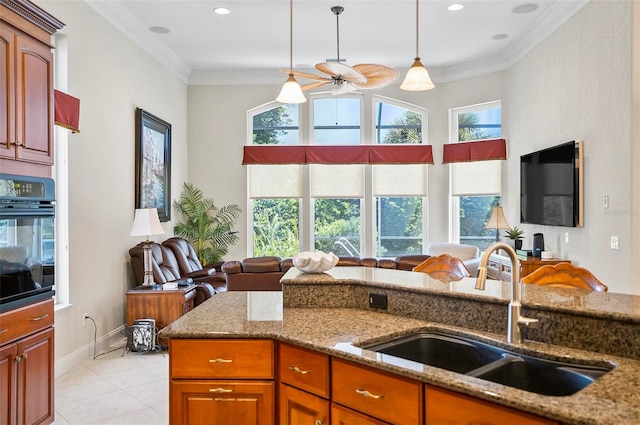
342,416
376,393
26,320
221,358
469,410
304,369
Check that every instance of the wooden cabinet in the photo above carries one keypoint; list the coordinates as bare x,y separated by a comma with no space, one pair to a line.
26,75
499,266
26,365
164,306
221,382
447,407
376,393
531,264
229,381
343,416
304,386
299,407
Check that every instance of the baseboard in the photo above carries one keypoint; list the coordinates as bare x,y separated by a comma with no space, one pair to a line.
102,344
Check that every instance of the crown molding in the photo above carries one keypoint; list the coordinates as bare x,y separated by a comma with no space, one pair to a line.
136,31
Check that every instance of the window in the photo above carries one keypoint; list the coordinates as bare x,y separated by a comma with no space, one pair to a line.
349,209
474,186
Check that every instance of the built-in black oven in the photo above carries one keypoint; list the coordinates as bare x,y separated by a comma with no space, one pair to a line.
27,240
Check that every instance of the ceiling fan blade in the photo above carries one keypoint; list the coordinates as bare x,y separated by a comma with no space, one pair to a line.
377,75
337,69
316,84
306,75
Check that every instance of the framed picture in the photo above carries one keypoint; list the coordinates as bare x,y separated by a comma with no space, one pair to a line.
153,163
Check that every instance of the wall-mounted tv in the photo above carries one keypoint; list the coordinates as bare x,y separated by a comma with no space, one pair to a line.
551,186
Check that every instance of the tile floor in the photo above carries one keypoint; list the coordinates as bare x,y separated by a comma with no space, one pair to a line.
110,389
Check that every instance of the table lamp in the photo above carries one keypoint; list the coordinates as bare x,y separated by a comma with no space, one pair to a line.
497,221
146,223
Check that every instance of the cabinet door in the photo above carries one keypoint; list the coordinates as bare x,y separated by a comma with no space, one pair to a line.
221,403
469,410
301,408
35,379
375,393
342,416
34,101
7,117
8,381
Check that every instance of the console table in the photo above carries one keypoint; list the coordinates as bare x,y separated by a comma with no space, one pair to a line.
499,266
162,305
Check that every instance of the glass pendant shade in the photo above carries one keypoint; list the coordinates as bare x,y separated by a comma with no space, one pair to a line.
417,78
291,92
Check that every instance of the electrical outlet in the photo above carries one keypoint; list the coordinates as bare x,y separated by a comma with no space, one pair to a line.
615,243
84,319
378,301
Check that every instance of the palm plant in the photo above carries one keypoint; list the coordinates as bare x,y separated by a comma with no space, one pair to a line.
207,227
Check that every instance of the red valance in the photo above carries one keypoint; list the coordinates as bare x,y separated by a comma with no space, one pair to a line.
274,154
337,154
401,154
481,150
359,154
66,111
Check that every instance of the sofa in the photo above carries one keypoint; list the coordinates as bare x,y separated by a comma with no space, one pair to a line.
174,260
256,273
18,254
469,254
264,273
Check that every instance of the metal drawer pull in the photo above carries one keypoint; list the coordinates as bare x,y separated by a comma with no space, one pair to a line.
35,319
298,370
25,355
219,390
18,359
220,361
318,422
3,330
366,393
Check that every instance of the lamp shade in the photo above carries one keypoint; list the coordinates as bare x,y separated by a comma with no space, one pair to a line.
417,78
497,220
291,92
146,223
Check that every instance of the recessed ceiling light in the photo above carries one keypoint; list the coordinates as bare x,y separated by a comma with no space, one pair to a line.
160,30
455,7
500,36
525,8
221,11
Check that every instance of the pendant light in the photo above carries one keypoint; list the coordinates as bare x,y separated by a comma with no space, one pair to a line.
417,78
291,91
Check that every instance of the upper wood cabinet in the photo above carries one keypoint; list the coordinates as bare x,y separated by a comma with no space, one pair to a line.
26,92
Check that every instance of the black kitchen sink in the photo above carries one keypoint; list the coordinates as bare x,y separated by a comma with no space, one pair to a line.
481,360
444,351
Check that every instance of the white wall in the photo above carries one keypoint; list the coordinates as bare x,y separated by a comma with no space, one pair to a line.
577,85
112,77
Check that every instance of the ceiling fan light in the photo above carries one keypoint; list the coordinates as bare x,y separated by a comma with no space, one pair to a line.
291,92
417,78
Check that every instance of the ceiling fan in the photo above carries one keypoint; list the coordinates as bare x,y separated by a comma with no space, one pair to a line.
344,77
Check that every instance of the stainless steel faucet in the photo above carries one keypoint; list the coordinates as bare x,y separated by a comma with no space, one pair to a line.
516,321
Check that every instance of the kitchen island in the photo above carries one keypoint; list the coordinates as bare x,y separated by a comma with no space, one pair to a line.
339,324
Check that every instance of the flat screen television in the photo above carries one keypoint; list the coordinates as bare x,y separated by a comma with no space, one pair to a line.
551,185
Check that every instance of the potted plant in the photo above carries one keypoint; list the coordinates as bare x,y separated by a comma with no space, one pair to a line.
207,227
515,237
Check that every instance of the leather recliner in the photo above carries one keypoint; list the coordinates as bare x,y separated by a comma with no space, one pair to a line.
189,264
165,269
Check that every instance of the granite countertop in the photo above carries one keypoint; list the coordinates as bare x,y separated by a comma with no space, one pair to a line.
612,399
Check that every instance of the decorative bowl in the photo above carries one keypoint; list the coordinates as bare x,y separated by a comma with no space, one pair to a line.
315,262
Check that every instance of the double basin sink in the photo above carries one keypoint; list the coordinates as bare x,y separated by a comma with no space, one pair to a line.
481,360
